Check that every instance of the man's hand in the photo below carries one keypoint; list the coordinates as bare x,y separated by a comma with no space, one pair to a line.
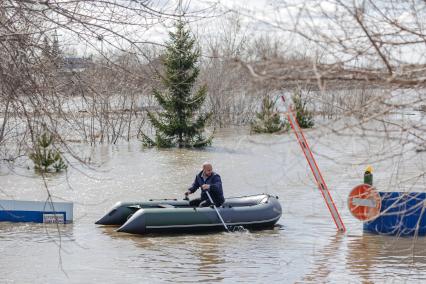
205,186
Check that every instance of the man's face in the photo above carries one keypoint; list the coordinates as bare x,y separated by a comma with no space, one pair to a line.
207,169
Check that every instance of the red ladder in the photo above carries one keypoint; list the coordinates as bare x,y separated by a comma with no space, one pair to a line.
322,186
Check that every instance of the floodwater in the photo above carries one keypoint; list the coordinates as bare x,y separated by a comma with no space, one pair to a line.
304,247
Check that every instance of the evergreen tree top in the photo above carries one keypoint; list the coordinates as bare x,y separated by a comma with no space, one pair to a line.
181,122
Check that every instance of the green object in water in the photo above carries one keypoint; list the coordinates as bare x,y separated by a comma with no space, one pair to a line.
368,175
368,178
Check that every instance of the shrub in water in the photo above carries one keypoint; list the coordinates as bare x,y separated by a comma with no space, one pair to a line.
303,115
45,157
268,119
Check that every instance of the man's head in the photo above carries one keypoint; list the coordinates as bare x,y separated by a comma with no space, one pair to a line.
207,169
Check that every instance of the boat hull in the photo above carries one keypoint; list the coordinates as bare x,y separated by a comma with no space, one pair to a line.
122,211
244,212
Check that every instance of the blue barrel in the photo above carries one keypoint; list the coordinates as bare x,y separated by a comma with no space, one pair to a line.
401,214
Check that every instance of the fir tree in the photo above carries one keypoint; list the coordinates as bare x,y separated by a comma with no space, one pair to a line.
303,115
56,51
45,157
268,119
46,49
180,123
51,53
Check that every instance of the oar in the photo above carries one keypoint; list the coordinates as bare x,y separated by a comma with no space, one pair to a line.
218,214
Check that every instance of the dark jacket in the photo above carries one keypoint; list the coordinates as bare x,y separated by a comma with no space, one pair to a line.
215,189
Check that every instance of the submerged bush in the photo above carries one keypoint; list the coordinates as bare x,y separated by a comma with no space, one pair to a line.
304,117
268,119
45,157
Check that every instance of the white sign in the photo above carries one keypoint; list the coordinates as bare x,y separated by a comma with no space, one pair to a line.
58,218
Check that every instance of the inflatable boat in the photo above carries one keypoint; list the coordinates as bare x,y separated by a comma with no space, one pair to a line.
256,212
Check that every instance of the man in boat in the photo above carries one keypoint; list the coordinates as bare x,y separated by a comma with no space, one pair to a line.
209,181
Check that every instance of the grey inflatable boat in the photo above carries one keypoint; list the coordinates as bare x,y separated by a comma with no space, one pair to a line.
253,212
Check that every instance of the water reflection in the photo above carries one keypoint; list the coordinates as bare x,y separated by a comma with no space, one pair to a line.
370,255
323,262
362,252
209,252
180,258
138,240
34,232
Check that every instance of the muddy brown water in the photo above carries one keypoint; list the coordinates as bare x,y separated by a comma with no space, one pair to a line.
304,247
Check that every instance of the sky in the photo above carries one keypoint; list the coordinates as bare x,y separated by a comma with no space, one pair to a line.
213,20
205,18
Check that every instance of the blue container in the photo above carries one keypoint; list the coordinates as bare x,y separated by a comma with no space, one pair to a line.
402,214
36,211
